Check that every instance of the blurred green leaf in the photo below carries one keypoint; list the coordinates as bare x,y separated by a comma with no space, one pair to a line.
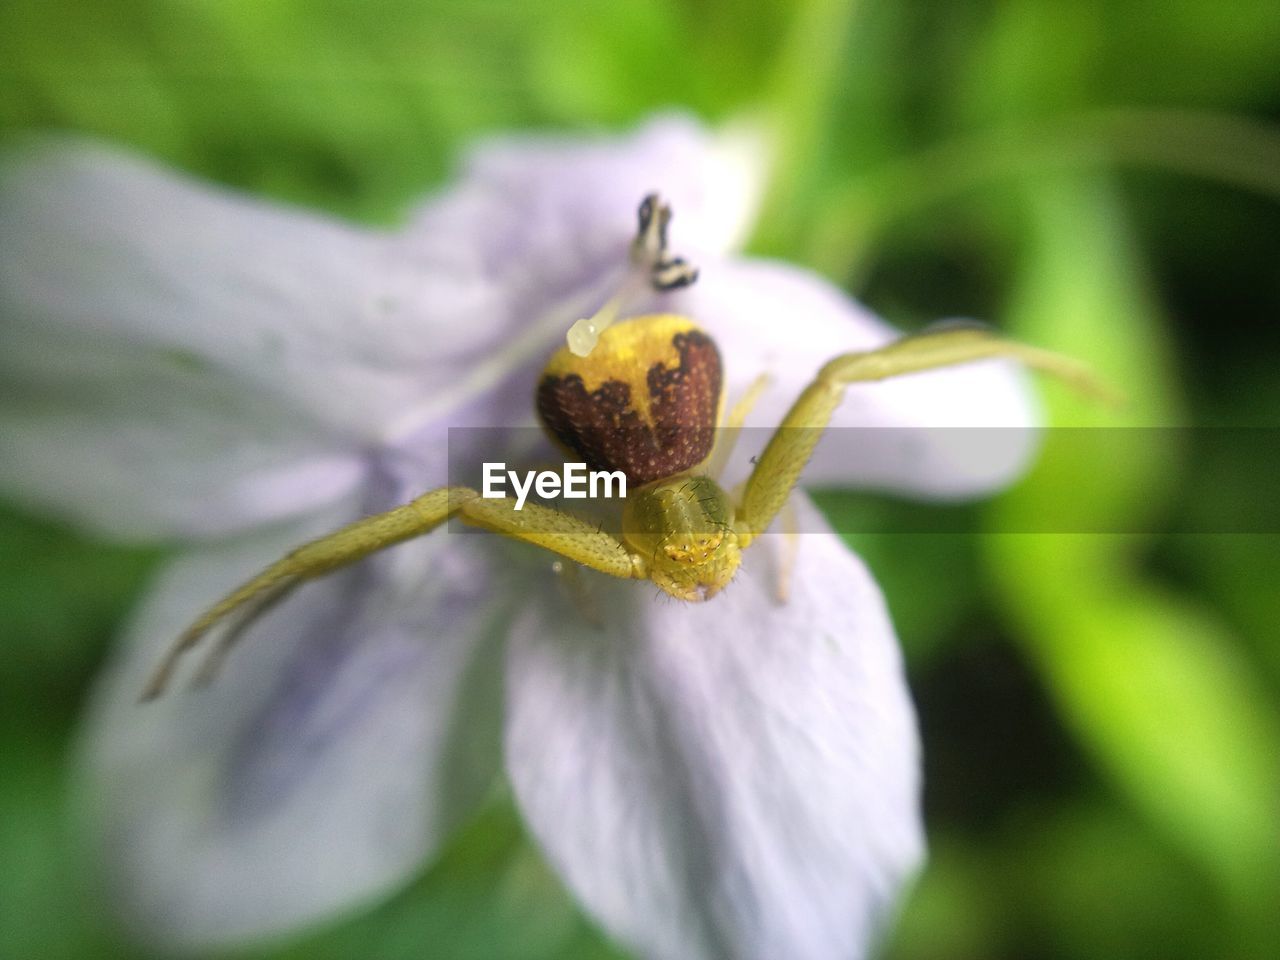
1188,51
954,913
862,211
47,910
1106,887
355,107
801,99
608,62
59,597
1152,683
1239,573
358,107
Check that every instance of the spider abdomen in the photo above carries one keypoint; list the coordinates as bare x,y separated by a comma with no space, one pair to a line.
646,400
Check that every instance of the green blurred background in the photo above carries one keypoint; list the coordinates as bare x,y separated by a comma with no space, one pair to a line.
1101,713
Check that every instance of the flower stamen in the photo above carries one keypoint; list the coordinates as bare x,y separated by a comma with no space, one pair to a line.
652,268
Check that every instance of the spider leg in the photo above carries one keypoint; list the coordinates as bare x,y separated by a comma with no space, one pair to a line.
787,554
558,532
241,621
779,466
562,533
727,435
342,547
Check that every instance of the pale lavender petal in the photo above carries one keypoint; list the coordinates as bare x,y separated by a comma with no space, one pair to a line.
182,359
735,778
143,447
947,433
353,728
532,210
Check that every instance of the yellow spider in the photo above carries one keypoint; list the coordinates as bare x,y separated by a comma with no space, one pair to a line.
646,399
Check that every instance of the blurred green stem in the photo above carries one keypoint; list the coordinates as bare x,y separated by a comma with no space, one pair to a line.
1229,149
799,98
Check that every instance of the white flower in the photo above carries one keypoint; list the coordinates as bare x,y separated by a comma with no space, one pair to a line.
736,778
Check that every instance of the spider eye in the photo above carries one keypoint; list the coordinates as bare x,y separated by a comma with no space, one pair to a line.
693,549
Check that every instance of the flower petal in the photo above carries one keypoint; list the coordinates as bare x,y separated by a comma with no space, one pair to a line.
735,778
947,433
349,733
144,448
181,359
245,353
529,210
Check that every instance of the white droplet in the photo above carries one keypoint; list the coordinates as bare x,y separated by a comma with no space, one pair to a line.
582,336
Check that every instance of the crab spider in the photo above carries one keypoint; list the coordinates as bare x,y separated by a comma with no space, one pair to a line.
643,396
646,400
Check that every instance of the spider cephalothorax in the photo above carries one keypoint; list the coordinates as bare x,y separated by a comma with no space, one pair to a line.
684,526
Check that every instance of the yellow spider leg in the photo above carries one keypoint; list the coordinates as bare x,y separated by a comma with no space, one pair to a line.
314,559
729,430
561,533
244,618
738,414
789,449
789,553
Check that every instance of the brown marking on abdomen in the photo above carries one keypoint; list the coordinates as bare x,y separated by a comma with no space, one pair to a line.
606,429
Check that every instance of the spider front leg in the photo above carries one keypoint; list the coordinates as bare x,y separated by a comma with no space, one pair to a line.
561,533
778,468
239,608
558,532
